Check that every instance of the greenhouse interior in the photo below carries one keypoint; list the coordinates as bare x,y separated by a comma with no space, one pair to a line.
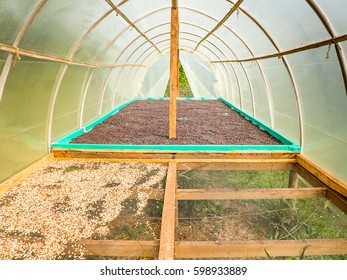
173,129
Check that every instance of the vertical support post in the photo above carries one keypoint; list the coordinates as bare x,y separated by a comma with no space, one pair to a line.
293,179
167,233
293,183
174,68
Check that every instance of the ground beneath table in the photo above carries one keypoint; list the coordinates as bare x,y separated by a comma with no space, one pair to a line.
198,123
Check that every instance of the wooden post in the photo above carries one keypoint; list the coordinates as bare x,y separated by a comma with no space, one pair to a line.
293,183
293,179
174,68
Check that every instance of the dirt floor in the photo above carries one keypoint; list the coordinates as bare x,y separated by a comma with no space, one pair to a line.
198,122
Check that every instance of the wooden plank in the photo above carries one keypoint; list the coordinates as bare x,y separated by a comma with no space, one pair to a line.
237,165
174,68
307,176
338,200
162,161
67,153
237,155
14,180
117,154
323,176
167,233
255,249
244,194
121,248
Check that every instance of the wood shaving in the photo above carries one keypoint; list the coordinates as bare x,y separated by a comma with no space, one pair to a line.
67,201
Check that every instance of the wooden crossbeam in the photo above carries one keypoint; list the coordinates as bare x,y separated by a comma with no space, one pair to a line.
221,22
236,155
255,249
244,194
320,44
119,12
121,248
322,175
167,233
179,156
236,165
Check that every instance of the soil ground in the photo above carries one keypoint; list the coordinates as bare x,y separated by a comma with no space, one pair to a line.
198,123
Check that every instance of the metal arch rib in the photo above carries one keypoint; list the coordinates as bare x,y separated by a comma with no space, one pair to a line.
340,55
119,12
221,22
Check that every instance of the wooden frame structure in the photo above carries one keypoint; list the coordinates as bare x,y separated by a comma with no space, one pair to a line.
167,248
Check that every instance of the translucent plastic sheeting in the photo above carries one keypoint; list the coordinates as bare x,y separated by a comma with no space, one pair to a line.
246,90
13,14
92,98
24,111
106,105
275,16
101,38
156,79
285,110
200,76
251,33
335,13
61,19
262,97
133,83
216,8
324,115
68,104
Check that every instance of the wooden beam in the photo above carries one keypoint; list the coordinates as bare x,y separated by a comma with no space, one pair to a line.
121,248
237,165
22,52
167,233
221,22
237,155
180,156
255,249
14,180
111,155
293,183
174,68
307,176
293,179
328,42
338,200
245,194
322,175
